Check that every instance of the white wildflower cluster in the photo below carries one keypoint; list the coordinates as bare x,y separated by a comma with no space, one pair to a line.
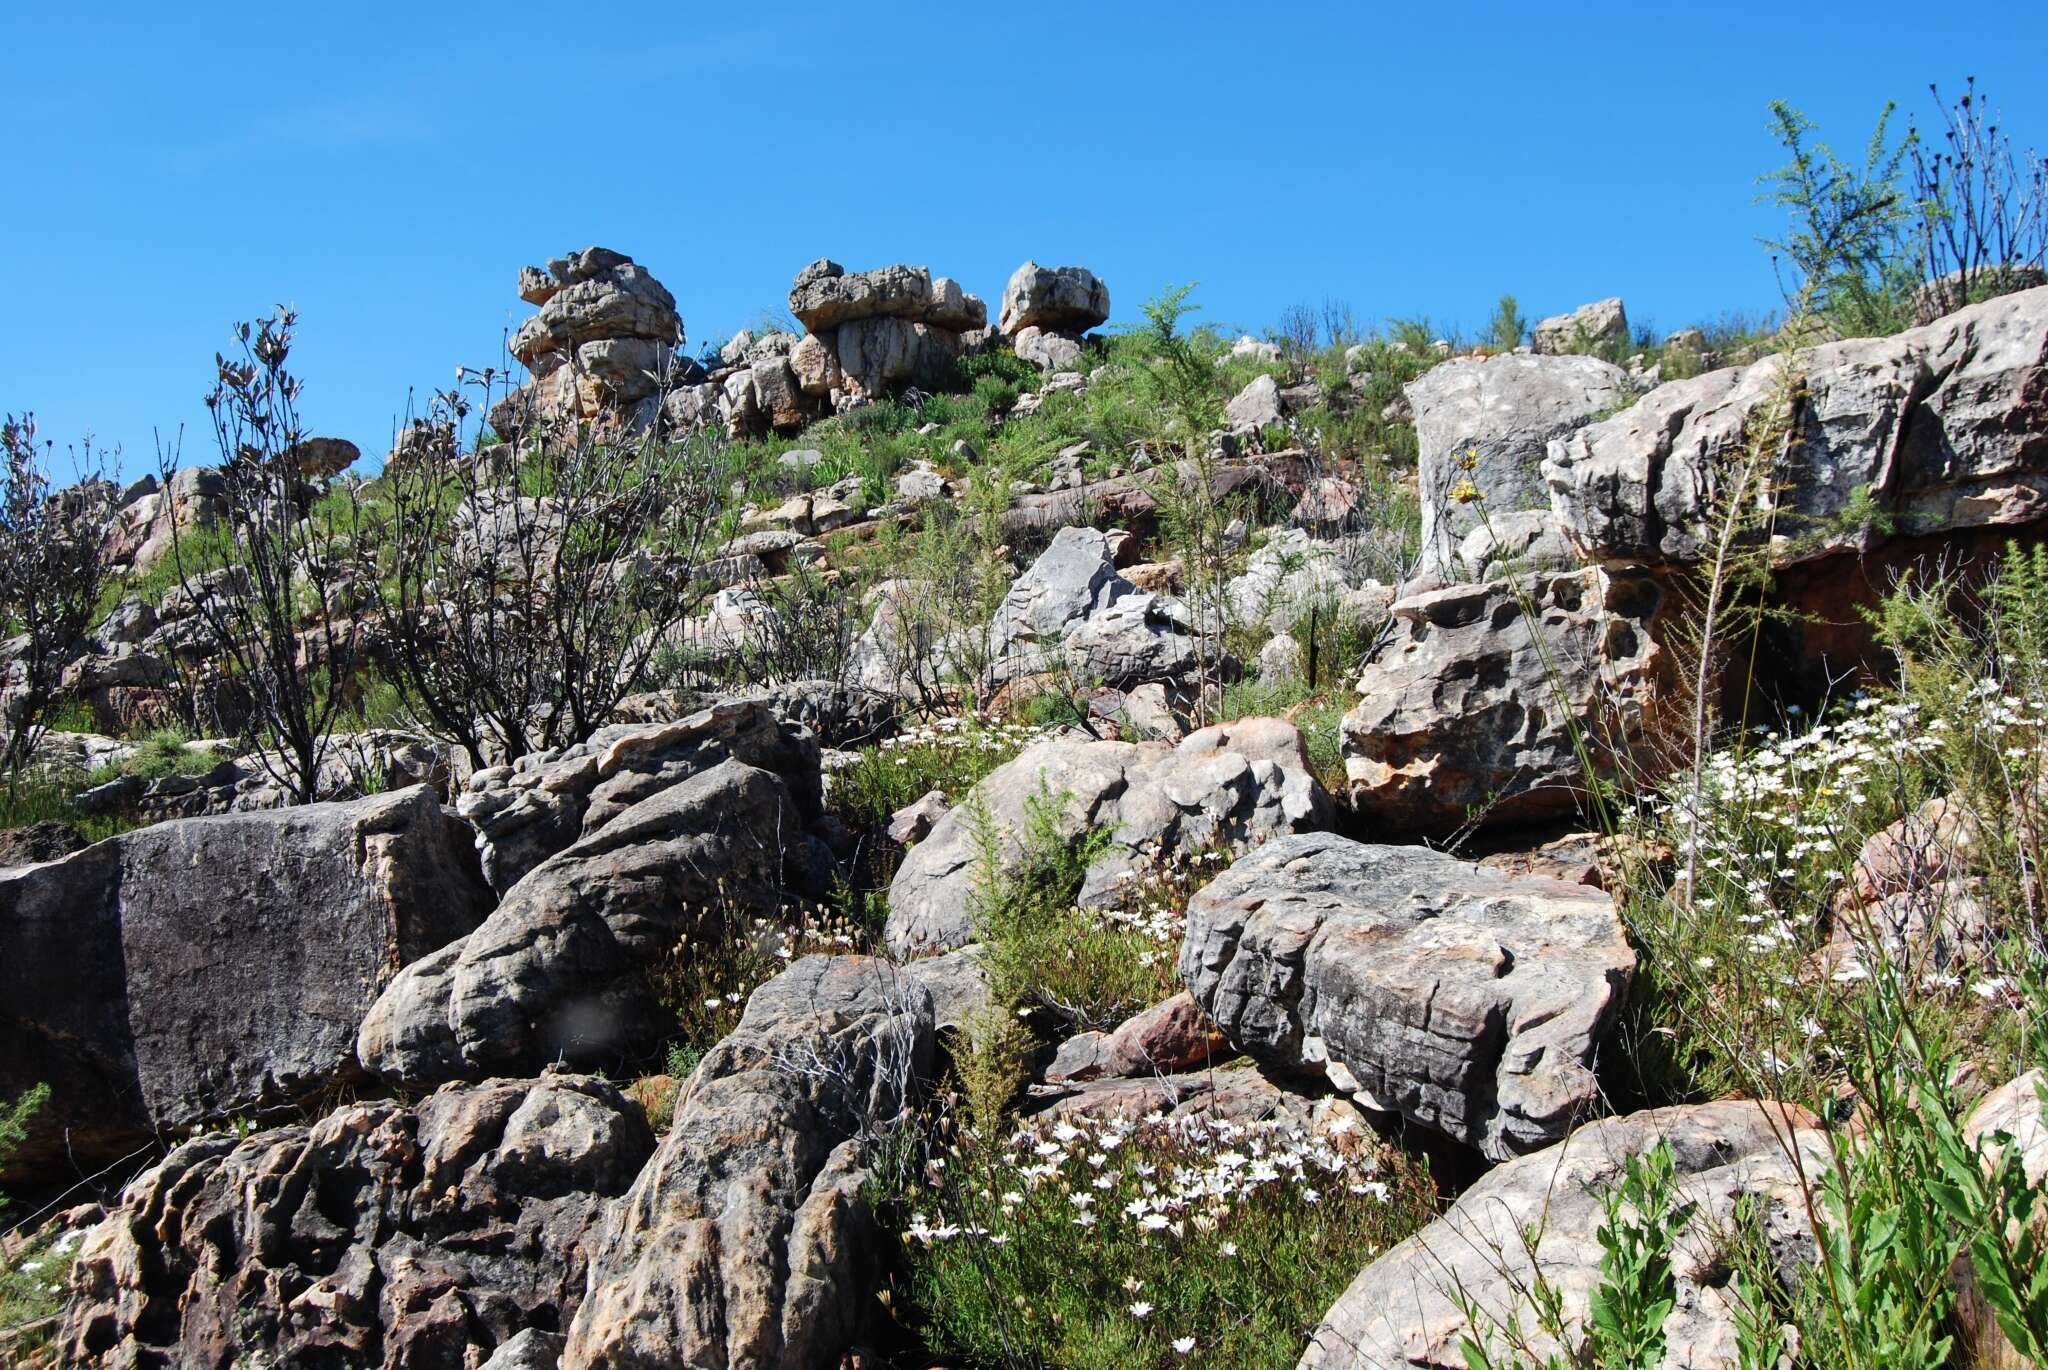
1777,827
1159,1176
967,736
1143,1198
1152,897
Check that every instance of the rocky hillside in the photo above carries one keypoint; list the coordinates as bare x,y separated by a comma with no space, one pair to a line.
954,837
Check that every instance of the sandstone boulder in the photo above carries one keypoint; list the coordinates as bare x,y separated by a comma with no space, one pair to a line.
1544,1212
1603,323
1233,785
383,1235
1062,299
207,967
1463,999
745,1241
1944,426
1478,705
1482,428
1048,351
545,801
1255,407
1072,579
560,971
826,295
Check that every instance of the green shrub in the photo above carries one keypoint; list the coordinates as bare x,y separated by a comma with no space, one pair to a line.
948,755
1089,968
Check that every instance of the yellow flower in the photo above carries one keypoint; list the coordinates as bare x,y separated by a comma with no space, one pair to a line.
1465,492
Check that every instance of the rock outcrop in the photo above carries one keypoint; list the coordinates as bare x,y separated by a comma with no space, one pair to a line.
1047,309
560,970
874,332
1231,785
1603,323
383,1235
1544,1213
1480,699
208,967
1461,998
601,348
745,1241
1482,428
1943,428
547,800
1072,609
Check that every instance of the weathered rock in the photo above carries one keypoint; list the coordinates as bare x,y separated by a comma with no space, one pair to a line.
383,1235
1938,927
1173,1035
1477,701
601,348
1292,573
1465,1000
145,530
598,295
1046,350
560,971
745,1241
1281,661
958,982
1234,785
526,812
1915,852
881,354
783,402
1138,637
914,821
1255,407
201,968
1064,299
36,842
1945,427
1544,1212
319,458
1482,428
1072,579
1603,323
826,295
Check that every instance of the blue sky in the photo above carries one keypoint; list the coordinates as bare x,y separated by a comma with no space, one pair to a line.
170,169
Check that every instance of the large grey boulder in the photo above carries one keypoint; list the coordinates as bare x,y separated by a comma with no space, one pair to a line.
1293,572
1482,427
877,355
590,296
208,967
539,805
1544,1213
382,1235
1061,299
1232,785
826,295
1072,579
560,970
1944,426
601,347
1255,407
1603,323
1140,637
1459,997
1481,698
745,1241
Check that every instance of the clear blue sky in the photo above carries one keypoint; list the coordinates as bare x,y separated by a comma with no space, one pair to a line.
169,169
